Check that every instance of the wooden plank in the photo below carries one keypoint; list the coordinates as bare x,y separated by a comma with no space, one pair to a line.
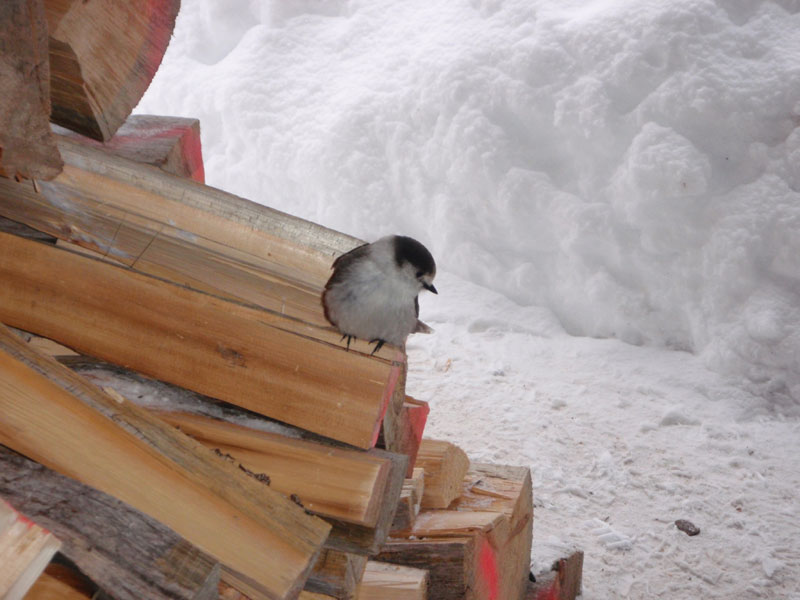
331,482
25,550
337,574
237,353
27,147
169,143
131,555
93,91
384,581
445,466
266,543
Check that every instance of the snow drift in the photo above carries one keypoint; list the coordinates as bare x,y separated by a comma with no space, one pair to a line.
632,166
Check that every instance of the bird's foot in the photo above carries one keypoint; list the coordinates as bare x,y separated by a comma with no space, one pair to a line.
349,339
378,345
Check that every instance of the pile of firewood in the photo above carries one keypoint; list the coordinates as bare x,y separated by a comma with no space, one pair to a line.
177,417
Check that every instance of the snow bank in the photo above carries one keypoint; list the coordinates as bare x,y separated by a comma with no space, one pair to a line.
633,166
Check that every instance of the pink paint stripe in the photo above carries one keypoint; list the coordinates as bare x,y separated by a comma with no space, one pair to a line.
488,563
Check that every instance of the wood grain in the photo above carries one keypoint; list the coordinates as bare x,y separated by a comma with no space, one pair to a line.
103,55
331,482
266,543
233,352
27,146
127,553
25,549
445,466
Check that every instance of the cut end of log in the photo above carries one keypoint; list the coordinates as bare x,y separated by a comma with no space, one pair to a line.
445,466
94,92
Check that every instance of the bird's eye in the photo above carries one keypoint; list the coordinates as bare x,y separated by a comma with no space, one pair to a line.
419,274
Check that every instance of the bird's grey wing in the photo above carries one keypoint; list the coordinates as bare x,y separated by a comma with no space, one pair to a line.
343,263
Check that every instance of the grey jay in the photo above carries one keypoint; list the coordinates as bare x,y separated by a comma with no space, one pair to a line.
373,291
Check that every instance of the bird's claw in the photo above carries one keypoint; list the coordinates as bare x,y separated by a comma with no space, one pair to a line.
378,345
349,339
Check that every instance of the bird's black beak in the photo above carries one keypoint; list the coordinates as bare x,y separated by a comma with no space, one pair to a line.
429,287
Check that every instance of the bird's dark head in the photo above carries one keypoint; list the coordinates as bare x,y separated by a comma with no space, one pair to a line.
415,260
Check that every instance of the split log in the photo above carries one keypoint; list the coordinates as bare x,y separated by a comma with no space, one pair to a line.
445,466
337,574
180,230
169,143
25,550
155,395
480,548
410,501
237,353
562,582
27,147
339,483
130,555
383,581
266,543
103,56
506,490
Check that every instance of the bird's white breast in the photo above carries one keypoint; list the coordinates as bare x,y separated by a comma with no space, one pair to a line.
374,304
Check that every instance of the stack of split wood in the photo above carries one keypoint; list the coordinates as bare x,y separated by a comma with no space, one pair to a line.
176,410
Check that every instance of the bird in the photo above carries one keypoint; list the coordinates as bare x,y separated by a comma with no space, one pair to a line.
373,293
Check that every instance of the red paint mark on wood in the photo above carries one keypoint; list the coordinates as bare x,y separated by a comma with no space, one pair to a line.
23,519
487,560
551,593
160,24
418,417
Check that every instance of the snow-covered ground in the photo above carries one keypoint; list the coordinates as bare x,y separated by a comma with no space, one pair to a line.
611,189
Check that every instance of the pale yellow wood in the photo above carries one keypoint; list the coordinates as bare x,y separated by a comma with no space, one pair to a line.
384,581
445,466
25,550
248,356
452,523
333,482
267,547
